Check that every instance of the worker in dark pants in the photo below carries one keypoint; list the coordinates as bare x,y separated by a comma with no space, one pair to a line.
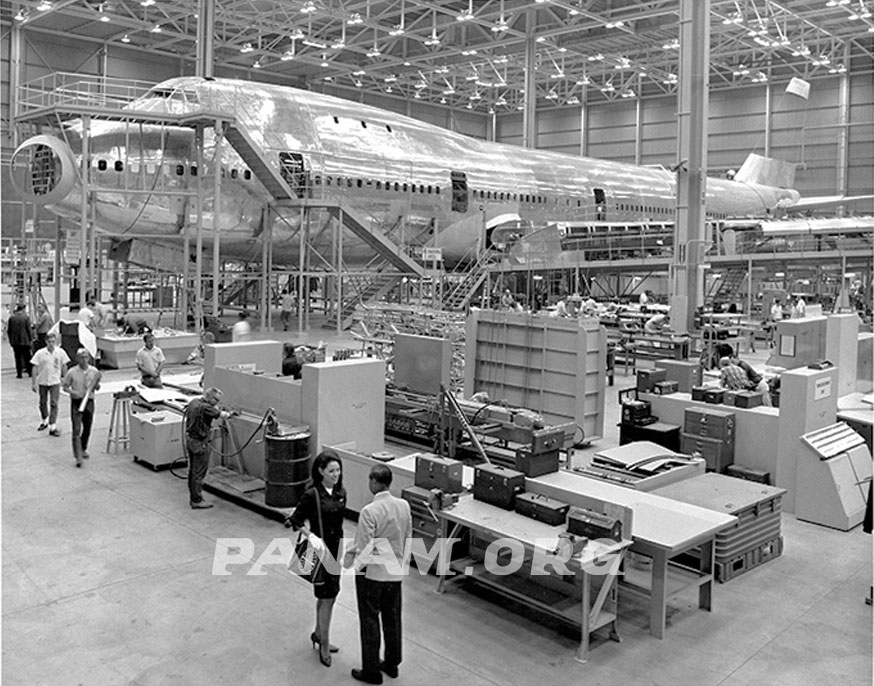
20,336
199,416
80,382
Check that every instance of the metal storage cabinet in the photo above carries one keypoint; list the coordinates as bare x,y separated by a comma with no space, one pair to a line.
156,438
710,424
716,452
556,367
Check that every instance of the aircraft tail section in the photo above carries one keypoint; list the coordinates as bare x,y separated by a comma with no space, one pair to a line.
766,171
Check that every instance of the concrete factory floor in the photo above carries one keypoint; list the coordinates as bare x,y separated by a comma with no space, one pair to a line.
107,579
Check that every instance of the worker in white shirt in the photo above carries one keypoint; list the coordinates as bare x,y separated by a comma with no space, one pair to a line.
657,323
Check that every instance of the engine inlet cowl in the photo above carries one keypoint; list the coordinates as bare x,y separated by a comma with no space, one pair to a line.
43,170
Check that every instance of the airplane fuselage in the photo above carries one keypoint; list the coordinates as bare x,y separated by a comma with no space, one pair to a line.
417,182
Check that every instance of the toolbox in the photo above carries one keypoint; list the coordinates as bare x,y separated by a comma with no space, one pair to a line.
730,398
497,486
532,464
592,525
665,387
749,474
542,508
547,440
748,399
714,396
717,453
647,378
433,471
635,411
709,423
698,392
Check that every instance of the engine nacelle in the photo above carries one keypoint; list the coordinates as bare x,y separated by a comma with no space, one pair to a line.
44,170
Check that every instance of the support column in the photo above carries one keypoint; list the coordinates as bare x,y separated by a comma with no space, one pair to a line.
205,35
265,267
689,242
529,124
219,129
198,258
638,122
15,61
584,122
843,161
83,208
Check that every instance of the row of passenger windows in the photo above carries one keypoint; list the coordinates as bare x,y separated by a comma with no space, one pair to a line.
179,169
349,182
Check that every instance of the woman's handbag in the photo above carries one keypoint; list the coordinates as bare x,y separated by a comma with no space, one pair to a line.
307,561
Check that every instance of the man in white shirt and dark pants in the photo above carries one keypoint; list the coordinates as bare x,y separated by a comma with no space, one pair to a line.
380,552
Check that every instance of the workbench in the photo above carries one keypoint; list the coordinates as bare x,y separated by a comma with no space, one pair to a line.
540,542
662,529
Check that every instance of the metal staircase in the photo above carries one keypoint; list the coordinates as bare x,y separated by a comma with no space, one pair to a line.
727,287
458,297
380,243
268,175
367,288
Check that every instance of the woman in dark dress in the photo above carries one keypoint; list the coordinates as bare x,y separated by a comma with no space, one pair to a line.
327,477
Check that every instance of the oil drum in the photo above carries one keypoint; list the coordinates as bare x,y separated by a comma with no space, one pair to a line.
288,468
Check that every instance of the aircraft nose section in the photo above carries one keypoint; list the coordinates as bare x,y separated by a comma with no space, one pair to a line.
44,170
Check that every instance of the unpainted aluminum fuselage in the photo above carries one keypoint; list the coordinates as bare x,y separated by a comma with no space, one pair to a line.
394,172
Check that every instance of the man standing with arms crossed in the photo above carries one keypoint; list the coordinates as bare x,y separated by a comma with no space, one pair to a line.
150,362
199,416
49,367
80,382
380,552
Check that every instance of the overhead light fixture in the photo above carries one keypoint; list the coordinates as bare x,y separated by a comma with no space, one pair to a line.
433,40
296,34
358,84
736,18
442,101
476,96
125,38
257,64
373,52
552,95
21,15
420,85
614,24
391,78
442,69
417,95
448,91
500,26
315,44
469,52
389,89
573,100
469,106
398,30
338,44
501,101
354,19
308,7
466,15
595,58
247,47
557,75
46,5
147,3
840,68
287,55
584,81
672,45
328,78
760,77
359,72
608,87
628,93
324,62
156,29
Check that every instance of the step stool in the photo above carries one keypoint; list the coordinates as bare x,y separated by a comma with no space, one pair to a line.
119,419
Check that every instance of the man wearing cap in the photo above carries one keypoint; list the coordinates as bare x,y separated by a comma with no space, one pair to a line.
49,366
150,362
80,382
